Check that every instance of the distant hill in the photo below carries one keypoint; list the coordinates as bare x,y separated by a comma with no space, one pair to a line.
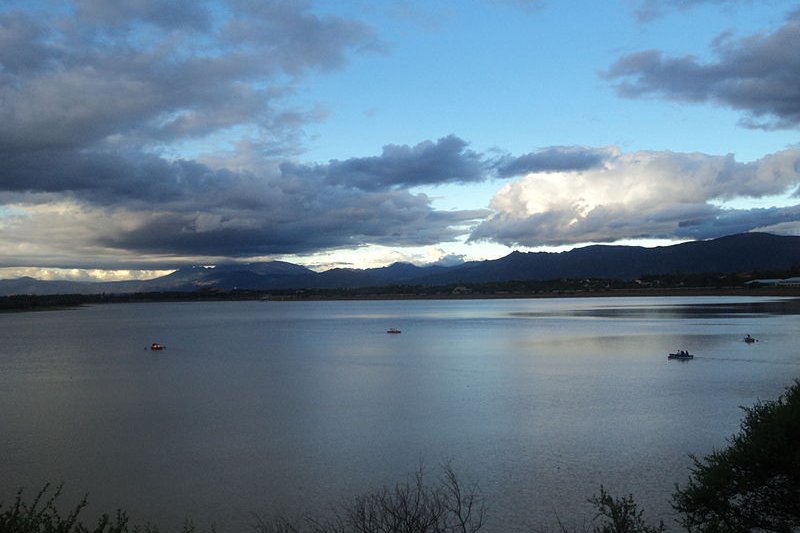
746,252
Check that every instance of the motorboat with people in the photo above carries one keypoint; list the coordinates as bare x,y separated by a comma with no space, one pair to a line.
681,355
749,340
393,330
157,347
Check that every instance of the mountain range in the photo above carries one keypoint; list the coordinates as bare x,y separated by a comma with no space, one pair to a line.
746,252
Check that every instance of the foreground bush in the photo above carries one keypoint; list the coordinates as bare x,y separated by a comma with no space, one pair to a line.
754,483
42,516
621,515
444,505
415,506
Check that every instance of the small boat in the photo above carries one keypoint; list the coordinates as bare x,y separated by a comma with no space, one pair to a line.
749,340
681,355
392,330
156,346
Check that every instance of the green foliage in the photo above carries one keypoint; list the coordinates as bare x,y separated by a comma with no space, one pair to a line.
620,515
754,483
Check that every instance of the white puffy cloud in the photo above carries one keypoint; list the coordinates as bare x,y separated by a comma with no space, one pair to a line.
641,195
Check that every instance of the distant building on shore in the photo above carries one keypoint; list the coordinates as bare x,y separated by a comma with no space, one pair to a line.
786,282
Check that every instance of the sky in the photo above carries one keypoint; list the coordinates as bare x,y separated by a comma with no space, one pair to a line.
139,136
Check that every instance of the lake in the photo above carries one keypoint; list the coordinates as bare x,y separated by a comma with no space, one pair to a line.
287,407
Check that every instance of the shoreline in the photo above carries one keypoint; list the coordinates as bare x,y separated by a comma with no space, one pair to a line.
788,292
31,303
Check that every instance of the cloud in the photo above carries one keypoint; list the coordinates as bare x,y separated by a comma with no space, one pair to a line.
188,209
641,195
148,72
758,74
651,9
96,97
449,260
114,209
554,159
168,14
447,160
400,166
294,220
732,221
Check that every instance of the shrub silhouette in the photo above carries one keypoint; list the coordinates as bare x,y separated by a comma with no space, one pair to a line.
414,506
754,483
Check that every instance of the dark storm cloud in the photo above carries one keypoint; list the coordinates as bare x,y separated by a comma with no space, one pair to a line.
163,13
146,72
553,159
296,220
445,161
93,97
759,75
400,166
21,44
732,221
187,208
108,178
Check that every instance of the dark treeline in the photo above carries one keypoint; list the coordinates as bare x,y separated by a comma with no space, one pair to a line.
30,302
35,302
558,287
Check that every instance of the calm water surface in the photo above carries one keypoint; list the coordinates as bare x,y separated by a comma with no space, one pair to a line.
285,407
